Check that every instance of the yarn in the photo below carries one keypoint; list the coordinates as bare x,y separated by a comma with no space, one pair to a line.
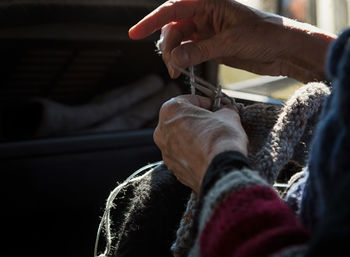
183,235
274,133
206,87
105,220
218,95
277,149
288,130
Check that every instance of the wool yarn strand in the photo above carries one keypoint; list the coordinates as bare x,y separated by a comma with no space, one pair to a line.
105,220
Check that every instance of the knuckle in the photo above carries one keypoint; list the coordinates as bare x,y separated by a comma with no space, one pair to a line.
169,108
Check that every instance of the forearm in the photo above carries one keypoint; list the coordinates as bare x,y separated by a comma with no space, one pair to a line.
240,215
307,47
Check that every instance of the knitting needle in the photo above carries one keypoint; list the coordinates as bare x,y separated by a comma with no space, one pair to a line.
209,90
192,79
198,79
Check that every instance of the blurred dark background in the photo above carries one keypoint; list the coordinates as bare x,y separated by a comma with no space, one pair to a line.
54,187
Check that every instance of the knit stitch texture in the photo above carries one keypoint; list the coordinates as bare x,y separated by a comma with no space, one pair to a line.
274,133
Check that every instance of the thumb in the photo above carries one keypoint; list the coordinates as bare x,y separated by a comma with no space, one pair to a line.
193,53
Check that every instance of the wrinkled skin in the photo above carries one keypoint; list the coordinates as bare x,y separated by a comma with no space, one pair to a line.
190,136
194,31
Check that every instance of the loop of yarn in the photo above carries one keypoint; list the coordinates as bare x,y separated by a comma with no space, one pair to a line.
288,130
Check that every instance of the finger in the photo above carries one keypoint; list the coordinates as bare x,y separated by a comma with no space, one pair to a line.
193,53
169,109
180,105
167,12
172,35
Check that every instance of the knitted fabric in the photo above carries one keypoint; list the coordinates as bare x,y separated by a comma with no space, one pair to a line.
250,222
146,212
224,186
275,140
270,129
239,214
183,234
279,147
329,154
294,193
274,133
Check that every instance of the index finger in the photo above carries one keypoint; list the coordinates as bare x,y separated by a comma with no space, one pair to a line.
167,12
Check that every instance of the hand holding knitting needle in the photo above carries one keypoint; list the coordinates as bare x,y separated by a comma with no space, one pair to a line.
194,31
189,136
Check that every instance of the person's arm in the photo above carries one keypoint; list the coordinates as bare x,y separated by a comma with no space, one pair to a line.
308,47
194,31
241,215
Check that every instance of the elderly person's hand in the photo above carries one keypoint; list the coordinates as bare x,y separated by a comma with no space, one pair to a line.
194,31
189,136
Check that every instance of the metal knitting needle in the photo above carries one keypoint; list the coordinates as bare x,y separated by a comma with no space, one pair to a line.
217,100
192,80
198,79
210,90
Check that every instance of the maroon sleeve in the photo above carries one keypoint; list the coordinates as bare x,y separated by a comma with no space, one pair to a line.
249,223
241,215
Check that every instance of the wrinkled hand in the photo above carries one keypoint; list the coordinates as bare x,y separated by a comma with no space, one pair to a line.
216,29
189,136
194,31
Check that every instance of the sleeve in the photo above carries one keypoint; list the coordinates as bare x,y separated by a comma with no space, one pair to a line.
241,215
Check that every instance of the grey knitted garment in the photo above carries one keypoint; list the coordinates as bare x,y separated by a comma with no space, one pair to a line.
276,135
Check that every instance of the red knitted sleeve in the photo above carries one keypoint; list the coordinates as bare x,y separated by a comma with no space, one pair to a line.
251,222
